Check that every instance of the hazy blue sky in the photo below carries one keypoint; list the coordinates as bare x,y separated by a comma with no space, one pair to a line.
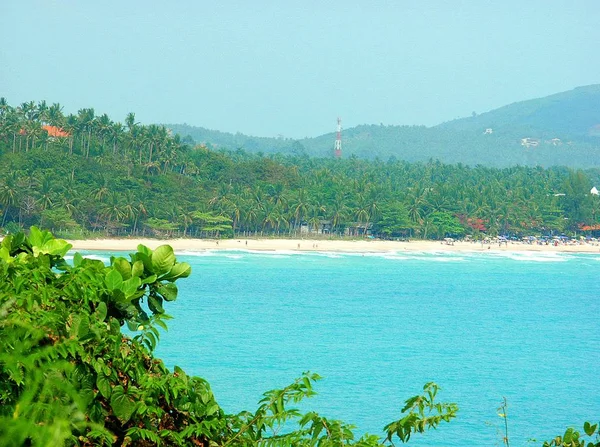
268,67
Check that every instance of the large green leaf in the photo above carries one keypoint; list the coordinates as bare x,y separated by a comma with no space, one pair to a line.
179,270
103,385
137,269
123,266
7,242
163,259
57,247
113,280
145,259
589,429
77,259
130,286
149,279
155,304
123,405
101,311
4,254
42,242
145,250
84,326
168,291
36,237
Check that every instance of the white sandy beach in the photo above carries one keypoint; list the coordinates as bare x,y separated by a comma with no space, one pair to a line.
349,246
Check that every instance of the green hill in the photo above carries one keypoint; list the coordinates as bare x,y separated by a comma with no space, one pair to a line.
561,129
574,114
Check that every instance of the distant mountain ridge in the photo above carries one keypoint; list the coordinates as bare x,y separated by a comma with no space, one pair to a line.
574,113
560,129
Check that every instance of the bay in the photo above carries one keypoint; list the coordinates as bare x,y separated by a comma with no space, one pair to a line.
378,326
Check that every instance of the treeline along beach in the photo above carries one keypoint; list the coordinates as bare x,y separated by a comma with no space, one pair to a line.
88,175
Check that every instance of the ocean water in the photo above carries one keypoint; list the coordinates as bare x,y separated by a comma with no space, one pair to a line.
378,326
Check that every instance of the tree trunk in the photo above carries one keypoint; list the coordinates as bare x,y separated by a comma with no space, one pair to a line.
87,153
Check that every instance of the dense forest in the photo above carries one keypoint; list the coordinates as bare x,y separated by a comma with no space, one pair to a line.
85,173
558,130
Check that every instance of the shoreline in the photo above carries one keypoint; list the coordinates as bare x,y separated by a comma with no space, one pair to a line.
319,245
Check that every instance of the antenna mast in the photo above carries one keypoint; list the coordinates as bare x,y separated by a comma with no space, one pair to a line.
337,149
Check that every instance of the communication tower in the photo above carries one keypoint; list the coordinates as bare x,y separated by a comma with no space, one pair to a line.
337,149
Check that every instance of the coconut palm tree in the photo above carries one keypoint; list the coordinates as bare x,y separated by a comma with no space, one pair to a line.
86,122
112,210
9,193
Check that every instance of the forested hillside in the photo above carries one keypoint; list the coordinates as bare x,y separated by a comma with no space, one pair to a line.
573,115
83,174
561,130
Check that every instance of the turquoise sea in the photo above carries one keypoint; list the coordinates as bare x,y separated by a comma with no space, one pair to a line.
379,326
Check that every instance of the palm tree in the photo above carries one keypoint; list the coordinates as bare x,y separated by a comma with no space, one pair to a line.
4,112
415,204
45,196
104,127
86,121
42,112
338,212
113,210
140,208
55,116
31,124
9,193
299,207
157,139
12,125
316,214
115,131
361,211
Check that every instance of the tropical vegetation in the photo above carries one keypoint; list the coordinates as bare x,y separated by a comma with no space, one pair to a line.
559,130
85,174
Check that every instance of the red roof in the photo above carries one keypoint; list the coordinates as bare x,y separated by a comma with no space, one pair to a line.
589,227
54,131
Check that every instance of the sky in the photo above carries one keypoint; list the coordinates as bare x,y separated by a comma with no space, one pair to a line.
278,68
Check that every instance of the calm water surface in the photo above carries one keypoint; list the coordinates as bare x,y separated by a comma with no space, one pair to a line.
377,327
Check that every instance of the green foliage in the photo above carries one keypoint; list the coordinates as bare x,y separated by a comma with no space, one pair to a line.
67,373
422,413
445,224
118,180
275,423
573,438
69,376
393,220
